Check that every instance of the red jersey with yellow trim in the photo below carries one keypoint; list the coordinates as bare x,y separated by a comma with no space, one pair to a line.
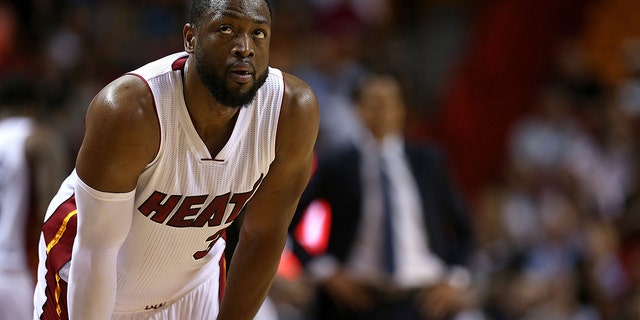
185,198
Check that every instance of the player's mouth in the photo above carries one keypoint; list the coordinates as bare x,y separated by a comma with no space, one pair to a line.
241,74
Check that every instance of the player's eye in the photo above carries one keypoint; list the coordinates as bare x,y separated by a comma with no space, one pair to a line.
225,30
260,34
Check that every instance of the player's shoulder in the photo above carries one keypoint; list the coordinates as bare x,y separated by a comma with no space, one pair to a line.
124,111
296,87
298,96
126,98
299,116
122,119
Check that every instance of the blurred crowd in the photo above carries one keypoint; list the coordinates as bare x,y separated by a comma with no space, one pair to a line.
557,232
557,225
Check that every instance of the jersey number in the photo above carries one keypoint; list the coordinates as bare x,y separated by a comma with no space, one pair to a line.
212,240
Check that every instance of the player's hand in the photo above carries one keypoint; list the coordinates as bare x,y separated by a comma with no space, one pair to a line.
440,301
348,293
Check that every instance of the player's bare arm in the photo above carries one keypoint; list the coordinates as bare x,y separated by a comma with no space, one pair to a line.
121,138
267,217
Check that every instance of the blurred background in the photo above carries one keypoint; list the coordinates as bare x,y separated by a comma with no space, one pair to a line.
535,102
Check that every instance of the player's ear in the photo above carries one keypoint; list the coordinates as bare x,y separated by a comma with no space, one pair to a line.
188,33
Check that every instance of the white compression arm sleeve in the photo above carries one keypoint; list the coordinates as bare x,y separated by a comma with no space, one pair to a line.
104,220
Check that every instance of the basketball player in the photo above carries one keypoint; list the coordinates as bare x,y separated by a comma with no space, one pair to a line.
32,165
173,152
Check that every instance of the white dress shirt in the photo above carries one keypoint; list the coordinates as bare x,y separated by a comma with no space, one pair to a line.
416,265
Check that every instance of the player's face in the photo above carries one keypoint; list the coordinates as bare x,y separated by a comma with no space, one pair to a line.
232,50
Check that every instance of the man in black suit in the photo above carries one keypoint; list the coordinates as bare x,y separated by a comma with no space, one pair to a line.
430,234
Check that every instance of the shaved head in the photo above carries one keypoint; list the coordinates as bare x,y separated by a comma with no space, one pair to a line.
200,8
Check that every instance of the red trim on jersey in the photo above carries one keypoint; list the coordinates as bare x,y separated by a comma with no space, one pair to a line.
59,232
179,63
222,284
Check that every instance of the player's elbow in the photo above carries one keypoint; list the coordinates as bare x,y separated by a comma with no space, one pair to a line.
264,235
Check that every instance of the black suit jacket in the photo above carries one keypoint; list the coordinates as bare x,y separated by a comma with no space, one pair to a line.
337,180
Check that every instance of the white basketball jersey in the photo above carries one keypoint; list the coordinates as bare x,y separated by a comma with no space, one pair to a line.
186,197
14,192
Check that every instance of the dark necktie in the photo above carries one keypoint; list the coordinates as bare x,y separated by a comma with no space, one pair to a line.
388,255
